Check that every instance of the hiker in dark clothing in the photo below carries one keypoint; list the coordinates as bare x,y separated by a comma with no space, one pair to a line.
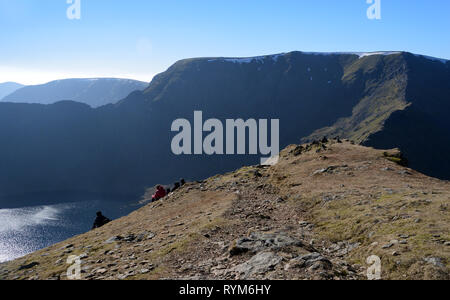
100,220
176,186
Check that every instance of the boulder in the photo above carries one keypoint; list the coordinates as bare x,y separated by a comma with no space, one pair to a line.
435,261
258,242
261,263
113,239
28,266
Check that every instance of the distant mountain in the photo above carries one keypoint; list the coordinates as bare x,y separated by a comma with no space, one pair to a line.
94,92
7,88
384,100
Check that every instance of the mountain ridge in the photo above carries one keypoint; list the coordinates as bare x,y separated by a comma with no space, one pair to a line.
312,95
359,54
92,91
7,88
317,214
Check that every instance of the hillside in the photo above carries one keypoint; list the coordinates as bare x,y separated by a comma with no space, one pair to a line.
318,214
384,100
95,92
7,88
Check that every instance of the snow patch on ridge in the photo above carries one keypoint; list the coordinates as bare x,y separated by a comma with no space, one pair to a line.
442,60
275,57
248,60
360,54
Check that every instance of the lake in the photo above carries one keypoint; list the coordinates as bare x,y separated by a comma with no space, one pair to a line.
28,229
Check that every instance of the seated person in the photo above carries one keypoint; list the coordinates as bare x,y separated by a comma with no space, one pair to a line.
100,220
160,193
176,186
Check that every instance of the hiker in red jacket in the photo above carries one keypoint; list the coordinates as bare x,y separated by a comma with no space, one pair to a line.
160,193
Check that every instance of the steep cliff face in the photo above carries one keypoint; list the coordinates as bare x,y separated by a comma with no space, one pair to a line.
422,129
384,81
121,149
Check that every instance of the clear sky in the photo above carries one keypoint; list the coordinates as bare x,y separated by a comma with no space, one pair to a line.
140,38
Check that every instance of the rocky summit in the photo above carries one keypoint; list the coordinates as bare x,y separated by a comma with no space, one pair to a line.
319,213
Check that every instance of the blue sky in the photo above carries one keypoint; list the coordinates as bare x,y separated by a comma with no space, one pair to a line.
140,38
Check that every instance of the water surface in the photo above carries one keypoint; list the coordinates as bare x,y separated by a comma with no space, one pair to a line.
28,229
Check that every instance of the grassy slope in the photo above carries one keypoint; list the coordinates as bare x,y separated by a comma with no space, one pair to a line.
384,89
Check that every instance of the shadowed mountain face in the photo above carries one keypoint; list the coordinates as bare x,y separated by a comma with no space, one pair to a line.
380,100
422,130
94,92
8,88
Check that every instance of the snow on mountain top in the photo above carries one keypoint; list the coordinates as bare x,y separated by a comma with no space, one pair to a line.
364,54
360,54
275,57
248,60
442,60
